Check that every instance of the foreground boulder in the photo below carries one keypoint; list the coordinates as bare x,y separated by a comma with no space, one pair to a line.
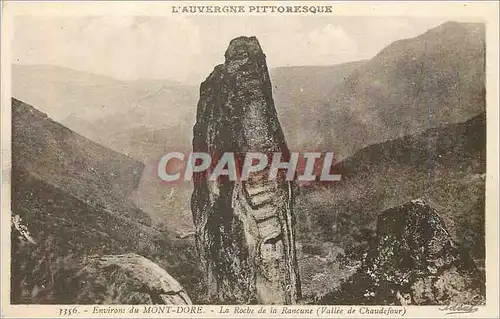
244,230
127,279
413,261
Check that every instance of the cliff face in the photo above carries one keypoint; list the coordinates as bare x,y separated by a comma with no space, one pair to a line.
244,230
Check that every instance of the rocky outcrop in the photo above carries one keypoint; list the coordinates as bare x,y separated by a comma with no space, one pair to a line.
413,261
244,230
127,279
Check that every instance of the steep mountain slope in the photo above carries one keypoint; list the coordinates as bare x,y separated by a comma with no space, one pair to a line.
73,196
301,95
88,171
410,86
66,229
445,166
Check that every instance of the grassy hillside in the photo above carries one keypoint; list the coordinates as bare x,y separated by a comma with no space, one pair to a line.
444,166
73,196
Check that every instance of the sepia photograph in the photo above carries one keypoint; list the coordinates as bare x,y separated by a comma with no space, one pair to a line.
242,154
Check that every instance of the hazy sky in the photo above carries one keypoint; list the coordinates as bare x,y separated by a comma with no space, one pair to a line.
186,49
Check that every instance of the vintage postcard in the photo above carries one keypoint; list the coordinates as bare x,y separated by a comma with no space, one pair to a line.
249,159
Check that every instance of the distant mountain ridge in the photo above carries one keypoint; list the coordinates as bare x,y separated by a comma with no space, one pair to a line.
409,123
456,145
121,115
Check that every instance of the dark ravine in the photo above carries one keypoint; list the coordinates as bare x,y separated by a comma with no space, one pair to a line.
245,230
